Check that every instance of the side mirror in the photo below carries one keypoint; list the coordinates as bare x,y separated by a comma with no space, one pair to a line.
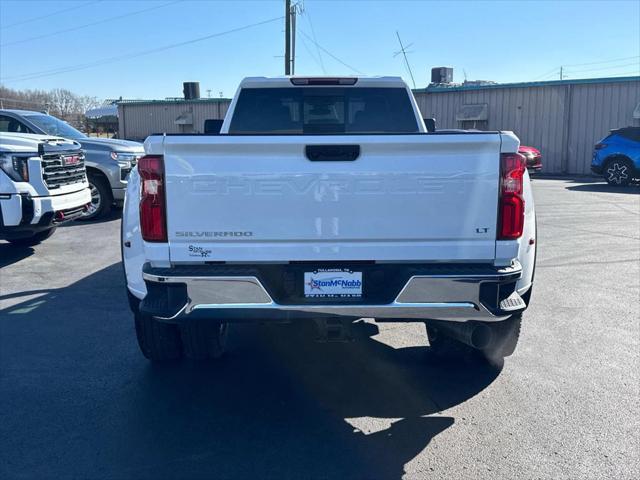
212,126
430,124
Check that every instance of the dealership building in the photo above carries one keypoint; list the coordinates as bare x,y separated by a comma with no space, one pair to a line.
563,118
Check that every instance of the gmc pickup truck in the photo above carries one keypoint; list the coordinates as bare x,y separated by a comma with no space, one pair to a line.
108,160
43,184
326,199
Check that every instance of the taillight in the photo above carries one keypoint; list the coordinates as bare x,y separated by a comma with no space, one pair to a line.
511,209
600,146
153,218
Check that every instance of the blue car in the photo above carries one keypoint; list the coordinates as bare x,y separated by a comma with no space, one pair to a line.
617,156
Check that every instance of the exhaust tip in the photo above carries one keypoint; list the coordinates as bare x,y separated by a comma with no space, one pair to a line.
481,337
476,335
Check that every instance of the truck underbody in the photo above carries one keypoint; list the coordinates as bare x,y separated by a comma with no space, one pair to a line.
315,204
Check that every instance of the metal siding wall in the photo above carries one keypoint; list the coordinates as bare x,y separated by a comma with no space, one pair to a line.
545,117
441,106
596,109
560,120
138,121
534,114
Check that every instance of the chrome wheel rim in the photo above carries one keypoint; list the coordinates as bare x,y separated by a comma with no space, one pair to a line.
617,173
96,200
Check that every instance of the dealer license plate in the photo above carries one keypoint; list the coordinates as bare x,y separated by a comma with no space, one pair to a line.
332,283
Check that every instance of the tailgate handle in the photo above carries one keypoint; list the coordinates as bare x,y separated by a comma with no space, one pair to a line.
332,153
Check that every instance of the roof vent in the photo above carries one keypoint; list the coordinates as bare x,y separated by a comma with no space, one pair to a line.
191,90
442,75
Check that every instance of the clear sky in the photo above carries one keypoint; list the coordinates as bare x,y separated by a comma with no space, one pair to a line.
50,44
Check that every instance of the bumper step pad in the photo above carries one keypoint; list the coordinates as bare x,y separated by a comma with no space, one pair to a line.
512,302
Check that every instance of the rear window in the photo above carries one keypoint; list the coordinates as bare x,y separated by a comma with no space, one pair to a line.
630,133
323,110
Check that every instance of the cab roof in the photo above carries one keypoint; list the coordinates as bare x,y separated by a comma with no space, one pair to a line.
321,81
20,112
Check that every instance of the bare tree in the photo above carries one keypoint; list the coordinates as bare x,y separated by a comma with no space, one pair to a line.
63,103
27,99
59,102
86,102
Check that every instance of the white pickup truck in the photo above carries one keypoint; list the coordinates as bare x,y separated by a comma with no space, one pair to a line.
43,184
327,199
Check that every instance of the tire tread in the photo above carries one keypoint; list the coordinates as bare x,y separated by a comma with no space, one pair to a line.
203,339
158,341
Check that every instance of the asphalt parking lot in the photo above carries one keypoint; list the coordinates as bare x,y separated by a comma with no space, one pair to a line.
77,399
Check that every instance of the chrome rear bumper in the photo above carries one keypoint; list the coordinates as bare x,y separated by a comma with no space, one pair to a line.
448,297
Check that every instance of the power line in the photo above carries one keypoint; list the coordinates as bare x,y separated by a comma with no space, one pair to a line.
603,61
313,34
73,68
330,54
41,17
553,72
614,67
98,22
625,74
311,54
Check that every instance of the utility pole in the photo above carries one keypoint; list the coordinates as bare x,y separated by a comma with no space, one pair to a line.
561,73
287,37
293,38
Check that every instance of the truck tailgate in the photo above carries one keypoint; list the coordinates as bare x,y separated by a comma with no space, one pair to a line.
259,198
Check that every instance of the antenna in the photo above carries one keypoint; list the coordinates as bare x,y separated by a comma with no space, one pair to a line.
404,52
465,74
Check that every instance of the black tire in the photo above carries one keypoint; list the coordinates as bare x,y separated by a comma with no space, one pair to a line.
101,197
158,341
134,302
204,339
618,171
526,296
32,240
